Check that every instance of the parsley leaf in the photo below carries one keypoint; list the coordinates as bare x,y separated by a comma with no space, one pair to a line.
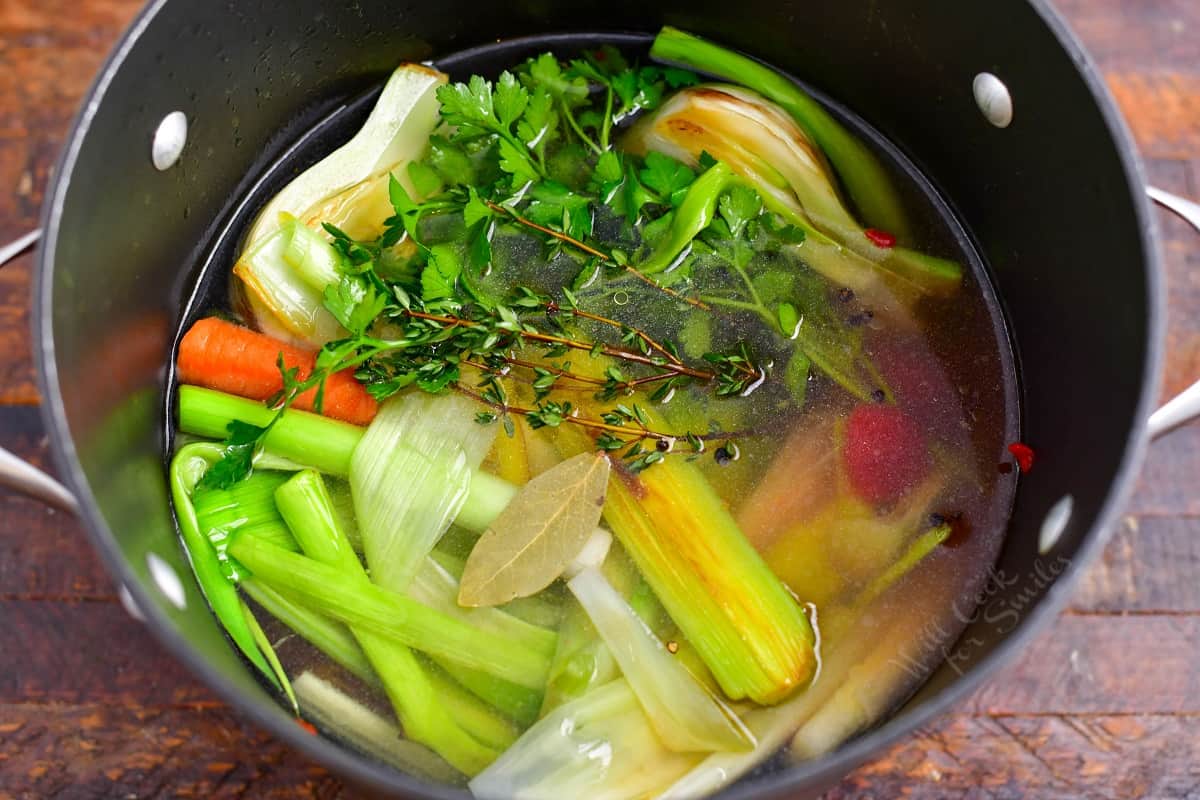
511,99
450,161
666,176
440,275
475,210
545,71
468,104
738,206
237,461
355,303
539,127
515,161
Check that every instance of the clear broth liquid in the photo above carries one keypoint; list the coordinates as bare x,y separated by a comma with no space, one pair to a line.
884,650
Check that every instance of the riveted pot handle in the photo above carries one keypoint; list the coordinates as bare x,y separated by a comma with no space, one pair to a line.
16,473
1185,406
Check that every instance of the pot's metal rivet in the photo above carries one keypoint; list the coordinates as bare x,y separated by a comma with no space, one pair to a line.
130,605
169,139
1055,523
167,580
993,99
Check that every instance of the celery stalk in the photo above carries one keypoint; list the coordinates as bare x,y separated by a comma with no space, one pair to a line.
311,255
307,439
324,444
335,640
519,703
393,615
694,214
305,504
329,636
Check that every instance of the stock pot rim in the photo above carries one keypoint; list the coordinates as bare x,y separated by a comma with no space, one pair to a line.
812,775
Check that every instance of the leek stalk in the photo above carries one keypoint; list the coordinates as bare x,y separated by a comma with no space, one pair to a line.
410,476
246,507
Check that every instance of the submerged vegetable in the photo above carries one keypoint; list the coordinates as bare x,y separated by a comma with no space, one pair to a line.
684,714
392,615
600,746
304,503
552,314
749,630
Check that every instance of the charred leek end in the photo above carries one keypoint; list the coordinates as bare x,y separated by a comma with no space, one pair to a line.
281,302
397,131
756,138
864,176
750,632
763,145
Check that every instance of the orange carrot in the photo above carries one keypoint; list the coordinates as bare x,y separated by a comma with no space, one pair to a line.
229,358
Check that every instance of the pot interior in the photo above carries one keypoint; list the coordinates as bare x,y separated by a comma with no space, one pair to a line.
1052,203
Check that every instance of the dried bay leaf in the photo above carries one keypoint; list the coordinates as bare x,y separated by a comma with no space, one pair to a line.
538,535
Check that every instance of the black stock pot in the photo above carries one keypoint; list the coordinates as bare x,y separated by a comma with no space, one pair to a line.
995,102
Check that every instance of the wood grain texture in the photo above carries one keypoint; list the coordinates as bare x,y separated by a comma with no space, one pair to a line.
1104,704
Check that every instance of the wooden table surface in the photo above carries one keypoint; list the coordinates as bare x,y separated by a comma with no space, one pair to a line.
1105,704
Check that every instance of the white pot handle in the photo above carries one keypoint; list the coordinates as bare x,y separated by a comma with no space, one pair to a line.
1185,406
16,473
